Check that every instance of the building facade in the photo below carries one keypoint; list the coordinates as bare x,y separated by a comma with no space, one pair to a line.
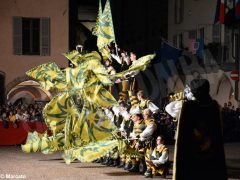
33,32
193,20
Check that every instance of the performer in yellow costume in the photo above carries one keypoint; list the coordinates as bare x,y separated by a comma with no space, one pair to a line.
158,162
147,136
138,128
146,103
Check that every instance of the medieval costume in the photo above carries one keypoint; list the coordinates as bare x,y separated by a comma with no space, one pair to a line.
199,151
158,163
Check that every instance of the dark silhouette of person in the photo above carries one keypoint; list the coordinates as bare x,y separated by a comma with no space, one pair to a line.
199,151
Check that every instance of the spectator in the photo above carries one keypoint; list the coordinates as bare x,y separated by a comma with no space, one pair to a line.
25,116
12,117
159,159
145,103
19,116
5,120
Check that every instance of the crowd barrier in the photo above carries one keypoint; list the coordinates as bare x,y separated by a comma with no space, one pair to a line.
16,136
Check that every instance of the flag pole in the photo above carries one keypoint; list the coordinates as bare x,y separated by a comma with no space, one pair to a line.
113,29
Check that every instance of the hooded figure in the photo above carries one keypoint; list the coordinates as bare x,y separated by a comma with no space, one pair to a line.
199,151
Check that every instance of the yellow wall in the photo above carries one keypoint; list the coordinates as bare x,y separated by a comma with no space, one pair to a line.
16,65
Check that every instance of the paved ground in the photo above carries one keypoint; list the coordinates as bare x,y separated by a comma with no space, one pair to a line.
39,166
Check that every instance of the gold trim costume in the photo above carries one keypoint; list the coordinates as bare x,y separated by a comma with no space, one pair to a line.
199,151
78,132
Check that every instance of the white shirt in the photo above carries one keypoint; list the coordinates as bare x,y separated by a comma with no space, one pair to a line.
162,159
147,132
153,107
109,114
174,108
117,58
25,116
19,117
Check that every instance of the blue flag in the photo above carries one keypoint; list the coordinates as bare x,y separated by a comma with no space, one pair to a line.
166,59
169,52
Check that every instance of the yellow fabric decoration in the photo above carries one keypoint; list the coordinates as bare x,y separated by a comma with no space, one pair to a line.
49,76
90,152
105,33
140,64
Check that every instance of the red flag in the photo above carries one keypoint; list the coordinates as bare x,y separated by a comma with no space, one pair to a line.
237,9
220,12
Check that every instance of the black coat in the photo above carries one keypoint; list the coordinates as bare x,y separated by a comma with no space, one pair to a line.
199,146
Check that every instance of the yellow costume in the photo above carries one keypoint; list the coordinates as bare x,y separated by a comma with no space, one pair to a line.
159,159
12,118
138,128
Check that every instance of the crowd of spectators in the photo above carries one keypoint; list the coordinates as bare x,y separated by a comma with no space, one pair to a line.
20,112
33,112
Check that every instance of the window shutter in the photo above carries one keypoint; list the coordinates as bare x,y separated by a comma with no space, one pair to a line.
179,11
45,36
17,35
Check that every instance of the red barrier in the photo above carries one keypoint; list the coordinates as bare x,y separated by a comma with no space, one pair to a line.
14,136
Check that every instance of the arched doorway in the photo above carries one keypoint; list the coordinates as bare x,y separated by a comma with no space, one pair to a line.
28,92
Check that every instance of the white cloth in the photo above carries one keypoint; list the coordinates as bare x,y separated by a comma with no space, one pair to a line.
121,111
132,135
188,94
122,127
125,114
25,116
19,117
109,114
117,58
147,132
174,108
162,159
153,107
116,110
135,110
131,74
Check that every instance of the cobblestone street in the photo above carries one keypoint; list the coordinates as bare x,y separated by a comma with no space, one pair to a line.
40,166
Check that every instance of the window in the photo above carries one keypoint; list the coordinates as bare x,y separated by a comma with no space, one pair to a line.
179,11
31,36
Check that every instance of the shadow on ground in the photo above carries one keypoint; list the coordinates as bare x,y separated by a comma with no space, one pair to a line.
121,174
91,167
56,159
